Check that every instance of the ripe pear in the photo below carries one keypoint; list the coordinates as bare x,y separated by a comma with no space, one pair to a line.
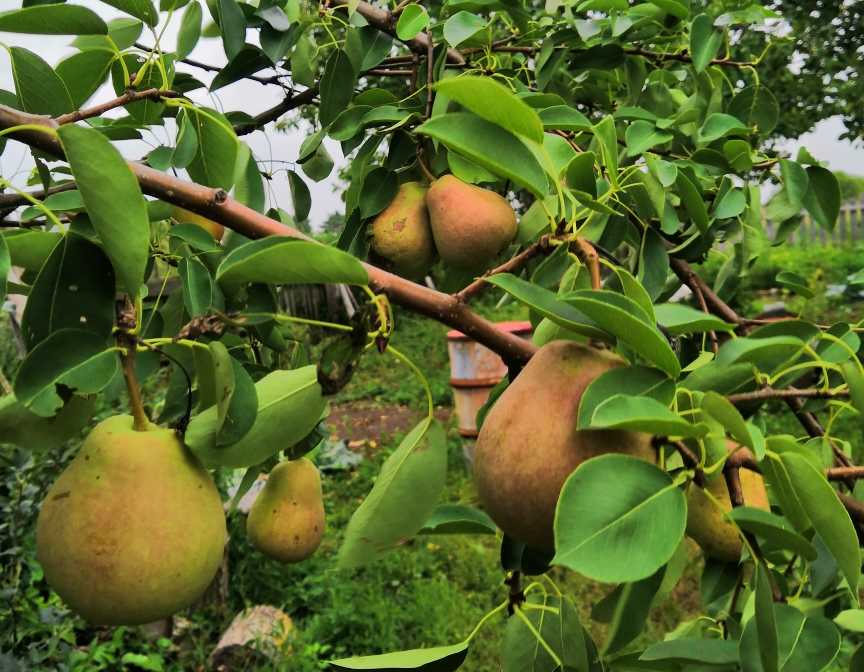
529,443
184,216
471,226
706,523
133,529
401,234
286,521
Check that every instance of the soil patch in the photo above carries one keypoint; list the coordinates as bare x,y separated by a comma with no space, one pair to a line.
367,425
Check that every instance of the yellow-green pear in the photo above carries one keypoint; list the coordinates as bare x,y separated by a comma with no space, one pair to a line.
133,529
707,524
470,225
529,443
286,521
401,235
184,216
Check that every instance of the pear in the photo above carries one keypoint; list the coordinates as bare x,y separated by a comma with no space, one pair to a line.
706,523
286,521
184,216
133,529
401,235
470,225
529,443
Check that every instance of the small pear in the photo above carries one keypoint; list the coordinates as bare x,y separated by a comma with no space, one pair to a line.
529,443
401,235
286,521
471,226
133,529
706,523
184,216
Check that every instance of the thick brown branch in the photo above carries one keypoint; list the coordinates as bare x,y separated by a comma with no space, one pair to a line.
480,285
128,97
385,21
218,206
697,285
588,256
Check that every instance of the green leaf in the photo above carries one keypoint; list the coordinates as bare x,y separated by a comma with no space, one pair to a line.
412,20
693,650
642,136
289,406
232,24
642,414
249,60
705,40
242,407
546,303
30,249
804,643
564,118
319,165
828,516
118,214
620,316
676,8
79,360
795,181
693,202
493,102
679,319
773,529
402,499
83,73
300,196
738,154
763,615
719,125
731,204
618,519
23,428
851,619
190,30
822,199
795,283
433,659
635,381
74,290
722,410
458,519
140,9
490,146
757,107
607,138
213,165
767,353
40,90
461,26
53,19
629,604
337,86
285,261
197,286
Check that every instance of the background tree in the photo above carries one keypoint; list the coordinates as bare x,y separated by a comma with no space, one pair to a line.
631,138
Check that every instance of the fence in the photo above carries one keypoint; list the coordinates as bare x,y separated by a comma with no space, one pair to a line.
848,229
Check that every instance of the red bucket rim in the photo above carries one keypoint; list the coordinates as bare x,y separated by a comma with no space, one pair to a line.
512,327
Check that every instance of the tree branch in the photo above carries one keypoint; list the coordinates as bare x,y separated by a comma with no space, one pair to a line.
684,57
129,97
791,393
698,286
385,21
290,102
15,200
218,206
480,285
588,256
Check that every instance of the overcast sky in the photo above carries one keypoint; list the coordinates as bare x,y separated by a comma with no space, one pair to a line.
252,97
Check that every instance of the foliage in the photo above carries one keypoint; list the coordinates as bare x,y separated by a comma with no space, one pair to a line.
633,139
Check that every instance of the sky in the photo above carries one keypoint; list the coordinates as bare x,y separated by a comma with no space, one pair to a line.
823,142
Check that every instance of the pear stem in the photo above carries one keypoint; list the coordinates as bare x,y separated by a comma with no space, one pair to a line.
425,169
126,339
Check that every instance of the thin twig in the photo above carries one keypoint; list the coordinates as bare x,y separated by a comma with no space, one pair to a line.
430,74
766,393
696,284
15,200
290,102
588,256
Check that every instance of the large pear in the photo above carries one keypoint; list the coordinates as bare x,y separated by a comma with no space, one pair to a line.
184,216
286,521
707,524
133,529
471,226
401,235
529,443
